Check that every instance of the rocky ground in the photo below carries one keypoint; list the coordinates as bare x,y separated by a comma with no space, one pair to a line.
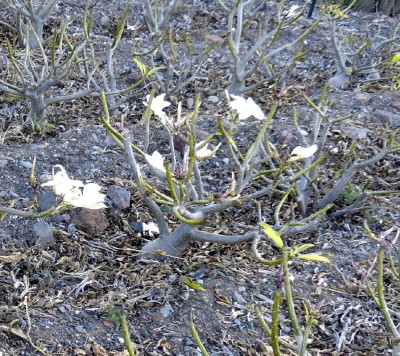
60,290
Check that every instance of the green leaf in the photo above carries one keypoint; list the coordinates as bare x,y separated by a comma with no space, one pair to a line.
396,58
348,70
302,248
191,284
272,234
370,234
120,29
313,257
142,67
154,70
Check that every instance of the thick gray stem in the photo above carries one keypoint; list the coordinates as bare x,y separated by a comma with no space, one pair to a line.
172,244
38,107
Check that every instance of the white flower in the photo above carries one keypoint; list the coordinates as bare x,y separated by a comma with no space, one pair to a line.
246,108
74,192
156,160
293,11
87,197
203,152
158,104
302,152
61,184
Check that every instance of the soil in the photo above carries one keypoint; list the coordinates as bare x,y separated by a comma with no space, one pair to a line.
63,299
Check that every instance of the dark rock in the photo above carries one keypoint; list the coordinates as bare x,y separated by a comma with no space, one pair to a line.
90,221
119,196
388,117
137,226
45,201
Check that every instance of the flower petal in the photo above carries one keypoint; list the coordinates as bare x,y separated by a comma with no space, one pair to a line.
156,160
302,152
158,104
246,108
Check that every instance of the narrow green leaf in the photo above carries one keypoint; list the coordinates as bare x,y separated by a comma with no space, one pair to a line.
370,234
142,67
313,257
120,29
272,234
191,284
302,248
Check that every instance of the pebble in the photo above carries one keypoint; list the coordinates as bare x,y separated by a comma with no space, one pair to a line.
388,118
25,164
43,233
119,196
338,81
237,296
104,20
166,310
213,99
190,103
144,332
79,328
45,201
363,97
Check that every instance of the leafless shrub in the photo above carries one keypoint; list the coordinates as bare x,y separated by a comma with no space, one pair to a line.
40,75
256,60
181,65
363,56
289,180
27,19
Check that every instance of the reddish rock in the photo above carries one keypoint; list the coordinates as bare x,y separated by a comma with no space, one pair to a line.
90,221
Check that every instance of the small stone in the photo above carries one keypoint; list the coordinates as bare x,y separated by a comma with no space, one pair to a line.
339,81
363,97
166,310
213,99
198,273
43,178
119,196
26,202
144,332
190,103
374,75
79,328
238,298
388,118
105,20
44,234
137,226
25,164
45,201
90,221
